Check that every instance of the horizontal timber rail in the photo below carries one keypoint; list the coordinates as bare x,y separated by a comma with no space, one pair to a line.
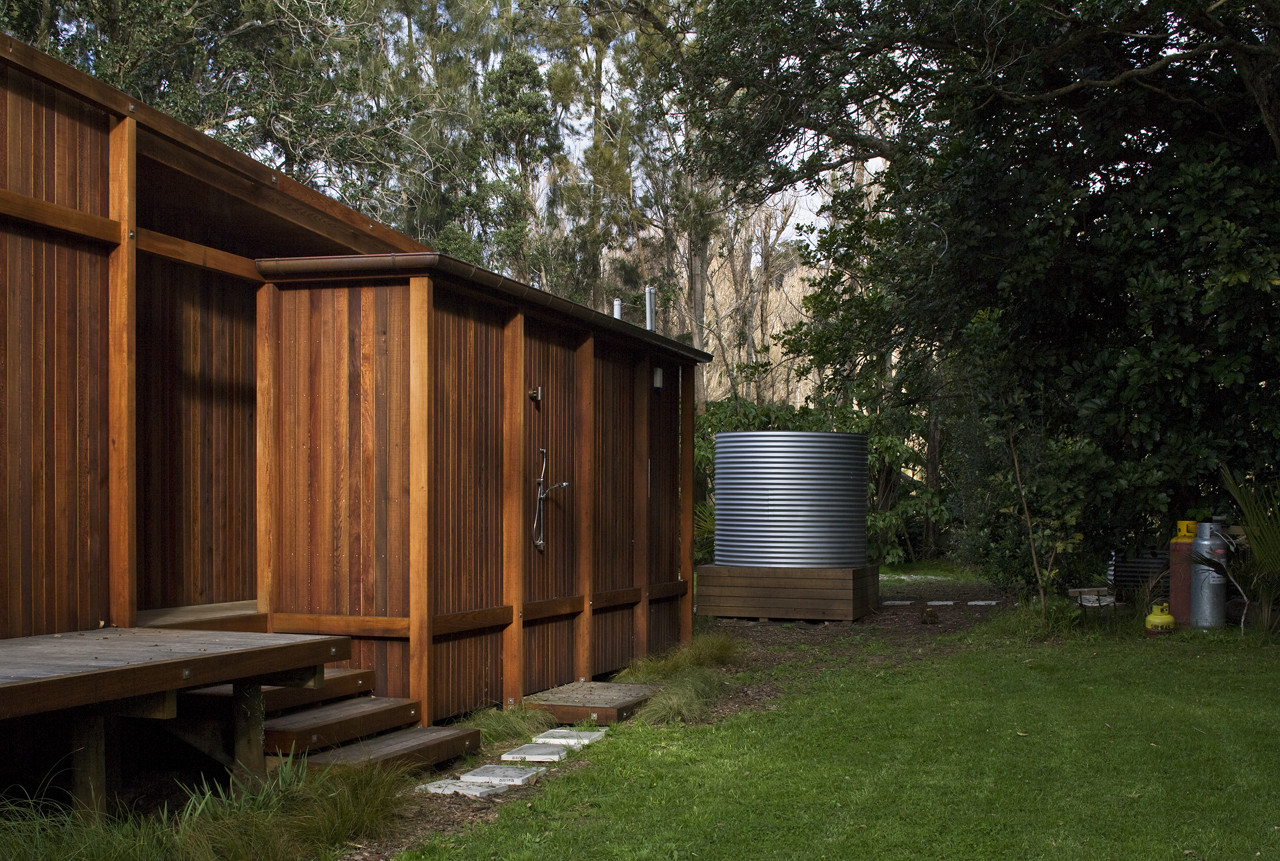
537,610
664,591
393,627
617,598
55,216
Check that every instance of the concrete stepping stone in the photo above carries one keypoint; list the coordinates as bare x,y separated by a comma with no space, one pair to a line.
983,603
503,775
576,739
536,753
942,603
896,603
464,787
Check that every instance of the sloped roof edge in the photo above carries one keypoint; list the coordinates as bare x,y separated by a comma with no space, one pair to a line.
285,269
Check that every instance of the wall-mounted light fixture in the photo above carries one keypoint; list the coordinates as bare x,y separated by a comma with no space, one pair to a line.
657,379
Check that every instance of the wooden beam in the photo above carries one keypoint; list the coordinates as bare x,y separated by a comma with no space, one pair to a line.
267,456
421,516
57,217
686,501
161,133
122,314
273,193
388,627
612,599
584,484
515,506
664,591
642,380
201,256
471,620
535,611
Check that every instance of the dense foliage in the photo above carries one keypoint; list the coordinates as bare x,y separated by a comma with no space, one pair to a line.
1069,257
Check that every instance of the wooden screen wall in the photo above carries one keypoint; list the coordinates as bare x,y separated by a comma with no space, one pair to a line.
665,588
466,589
551,572
196,401
53,361
342,464
613,571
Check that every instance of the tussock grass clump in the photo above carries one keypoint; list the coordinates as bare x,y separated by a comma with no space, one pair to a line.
703,651
294,814
688,678
685,698
514,724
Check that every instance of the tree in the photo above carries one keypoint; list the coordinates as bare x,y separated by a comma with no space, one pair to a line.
1069,260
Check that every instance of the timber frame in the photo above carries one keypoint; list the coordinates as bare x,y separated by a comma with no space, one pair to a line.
219,386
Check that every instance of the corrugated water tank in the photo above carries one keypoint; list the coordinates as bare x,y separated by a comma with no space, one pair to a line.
791,499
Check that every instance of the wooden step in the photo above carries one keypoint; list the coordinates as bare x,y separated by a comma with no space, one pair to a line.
337,684
421,745
325,726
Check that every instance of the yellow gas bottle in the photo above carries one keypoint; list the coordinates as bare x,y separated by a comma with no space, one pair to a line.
1159,621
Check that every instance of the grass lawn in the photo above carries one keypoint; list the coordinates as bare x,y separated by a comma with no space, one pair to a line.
990,747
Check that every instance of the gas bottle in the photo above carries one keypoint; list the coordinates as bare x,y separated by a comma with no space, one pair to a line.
1208,583
1159,621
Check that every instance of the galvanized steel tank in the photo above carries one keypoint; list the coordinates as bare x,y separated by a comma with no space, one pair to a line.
791,499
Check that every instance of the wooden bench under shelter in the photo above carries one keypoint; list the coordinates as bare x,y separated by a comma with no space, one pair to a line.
97,677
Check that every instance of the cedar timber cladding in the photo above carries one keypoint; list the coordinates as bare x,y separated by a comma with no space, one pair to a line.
220,386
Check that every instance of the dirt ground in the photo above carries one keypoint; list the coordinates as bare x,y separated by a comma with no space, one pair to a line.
906,630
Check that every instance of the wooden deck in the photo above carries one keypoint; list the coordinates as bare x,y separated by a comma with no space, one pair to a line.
61,671
94,678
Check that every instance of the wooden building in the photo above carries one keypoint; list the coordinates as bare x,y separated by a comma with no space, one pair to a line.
221,390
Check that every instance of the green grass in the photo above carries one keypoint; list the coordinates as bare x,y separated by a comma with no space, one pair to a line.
1089,748
294,815
932,569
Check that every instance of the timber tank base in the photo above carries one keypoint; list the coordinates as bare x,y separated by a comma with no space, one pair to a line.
817,594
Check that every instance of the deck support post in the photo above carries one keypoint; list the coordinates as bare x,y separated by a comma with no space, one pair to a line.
247,714
89,770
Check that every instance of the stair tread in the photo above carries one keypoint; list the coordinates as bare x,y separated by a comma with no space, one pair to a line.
338,722
337,683
419,744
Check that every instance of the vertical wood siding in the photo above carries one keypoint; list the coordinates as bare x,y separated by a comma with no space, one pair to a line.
664,506
53,360
552,572
195,436
612,635
343,415
466,553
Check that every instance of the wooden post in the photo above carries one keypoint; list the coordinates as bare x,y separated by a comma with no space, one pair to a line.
515,506
267,483
421,448
643,382
248,751
686,501
89,764
584,476
122,322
